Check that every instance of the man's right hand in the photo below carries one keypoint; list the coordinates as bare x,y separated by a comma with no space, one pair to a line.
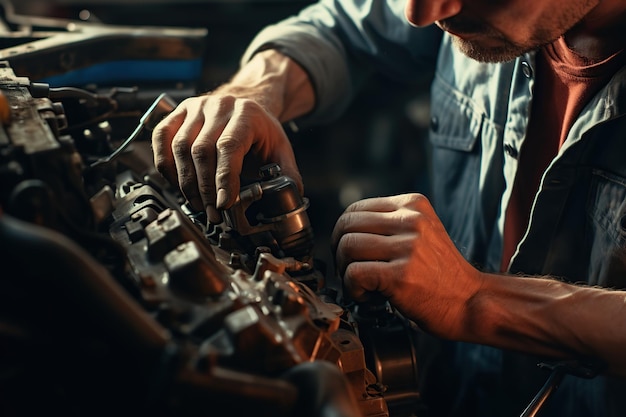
208,142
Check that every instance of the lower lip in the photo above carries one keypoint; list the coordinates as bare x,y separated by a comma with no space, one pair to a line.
479,38
464,36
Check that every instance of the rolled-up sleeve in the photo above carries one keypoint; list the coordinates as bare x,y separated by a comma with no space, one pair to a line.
340,43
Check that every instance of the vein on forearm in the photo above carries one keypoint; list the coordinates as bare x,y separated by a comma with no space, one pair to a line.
544,316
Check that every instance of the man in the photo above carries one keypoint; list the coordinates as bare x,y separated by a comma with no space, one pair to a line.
529,152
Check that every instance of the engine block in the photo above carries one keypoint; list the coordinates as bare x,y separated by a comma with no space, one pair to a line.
116,296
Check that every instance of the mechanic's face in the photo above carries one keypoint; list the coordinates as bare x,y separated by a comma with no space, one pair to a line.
499,30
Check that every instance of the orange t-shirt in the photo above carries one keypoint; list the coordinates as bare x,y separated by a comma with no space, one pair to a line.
564,83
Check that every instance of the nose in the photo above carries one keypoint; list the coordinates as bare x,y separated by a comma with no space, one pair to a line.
425,12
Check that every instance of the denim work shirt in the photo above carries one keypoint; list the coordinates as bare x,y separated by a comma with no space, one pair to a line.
479,116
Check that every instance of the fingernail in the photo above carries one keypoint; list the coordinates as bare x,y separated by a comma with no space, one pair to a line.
220,201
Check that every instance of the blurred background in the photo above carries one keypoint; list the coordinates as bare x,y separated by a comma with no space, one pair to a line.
378,147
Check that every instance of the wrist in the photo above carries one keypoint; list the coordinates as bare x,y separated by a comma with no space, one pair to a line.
275,82
472,319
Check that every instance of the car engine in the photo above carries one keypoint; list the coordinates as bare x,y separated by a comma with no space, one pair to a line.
117,298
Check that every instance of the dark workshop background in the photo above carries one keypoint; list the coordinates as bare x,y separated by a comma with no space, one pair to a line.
379,147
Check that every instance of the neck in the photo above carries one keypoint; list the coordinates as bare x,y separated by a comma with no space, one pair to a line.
601,33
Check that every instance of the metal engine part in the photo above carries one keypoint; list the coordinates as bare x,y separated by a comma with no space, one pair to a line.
115,296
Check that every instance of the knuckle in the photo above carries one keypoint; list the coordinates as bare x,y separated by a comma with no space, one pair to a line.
350,208
166,124
180,147
353,207
351,272
340,224
222,174
200,152
191,103
248,105
225,143
187,102
207,189
218,98
341,230
228,145
418,200
354,278
220,104
346,242
159,132
162,164
409,218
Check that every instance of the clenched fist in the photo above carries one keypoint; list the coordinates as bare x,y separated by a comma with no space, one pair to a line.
397,246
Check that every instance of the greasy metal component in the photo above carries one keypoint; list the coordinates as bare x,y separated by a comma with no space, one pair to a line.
262,322
46,47
231,316
390,343
32,147
33,121
271,213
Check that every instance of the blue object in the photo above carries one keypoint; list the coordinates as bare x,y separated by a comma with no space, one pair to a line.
129,70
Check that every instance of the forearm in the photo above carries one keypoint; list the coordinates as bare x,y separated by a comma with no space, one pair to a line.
549,317
274,81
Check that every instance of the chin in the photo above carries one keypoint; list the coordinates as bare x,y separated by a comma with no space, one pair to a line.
502,52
